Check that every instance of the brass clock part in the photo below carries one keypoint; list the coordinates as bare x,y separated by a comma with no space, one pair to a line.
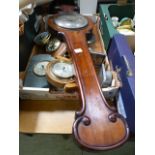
53,45
42,38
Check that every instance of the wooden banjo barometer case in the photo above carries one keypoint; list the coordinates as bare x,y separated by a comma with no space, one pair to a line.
97,126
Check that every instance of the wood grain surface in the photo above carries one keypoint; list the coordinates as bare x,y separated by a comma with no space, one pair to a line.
49,117
96,126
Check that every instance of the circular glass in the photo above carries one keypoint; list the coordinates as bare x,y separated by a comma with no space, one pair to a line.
63,70
40,68
71,21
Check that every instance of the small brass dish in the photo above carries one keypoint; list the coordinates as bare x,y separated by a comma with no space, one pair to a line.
42,38
53,45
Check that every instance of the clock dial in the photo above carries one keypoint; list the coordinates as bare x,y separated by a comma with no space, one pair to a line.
40,68
63,70
71,21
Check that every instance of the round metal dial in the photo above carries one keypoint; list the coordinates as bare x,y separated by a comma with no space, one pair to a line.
53,45
63,70
40,68
71,21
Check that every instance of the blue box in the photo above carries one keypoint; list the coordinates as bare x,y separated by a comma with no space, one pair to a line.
123,61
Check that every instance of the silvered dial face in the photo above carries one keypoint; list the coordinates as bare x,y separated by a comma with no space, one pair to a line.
40,68
63,70
71,21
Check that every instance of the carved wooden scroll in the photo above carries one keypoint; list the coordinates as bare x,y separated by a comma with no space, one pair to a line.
96,126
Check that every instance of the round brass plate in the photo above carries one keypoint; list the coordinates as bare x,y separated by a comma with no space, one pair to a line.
53,45
42,38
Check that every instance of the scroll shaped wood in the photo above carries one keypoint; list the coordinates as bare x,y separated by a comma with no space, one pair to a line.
97,126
